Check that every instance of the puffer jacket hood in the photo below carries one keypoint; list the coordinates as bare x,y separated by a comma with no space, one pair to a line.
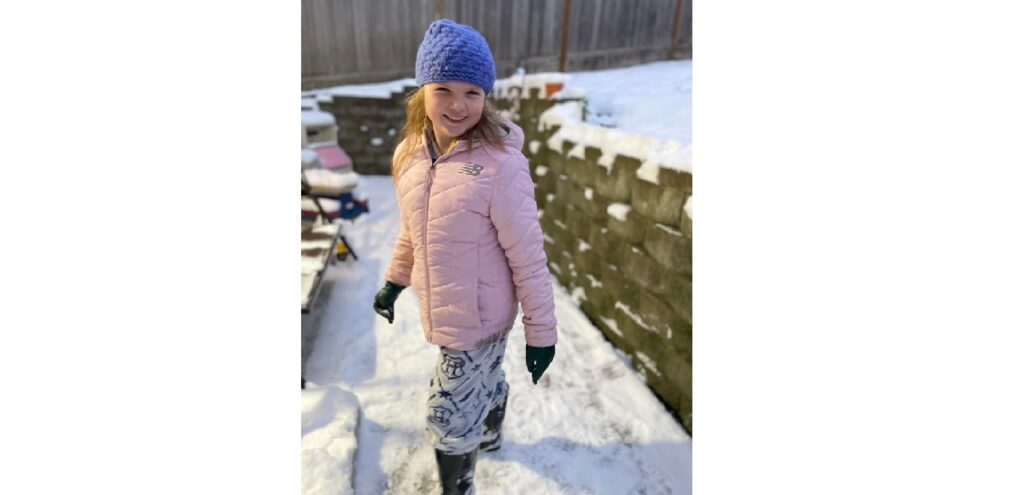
471,246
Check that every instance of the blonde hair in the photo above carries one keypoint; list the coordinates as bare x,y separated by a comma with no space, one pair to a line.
487,129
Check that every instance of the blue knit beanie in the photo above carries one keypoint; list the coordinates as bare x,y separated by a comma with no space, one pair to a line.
454,52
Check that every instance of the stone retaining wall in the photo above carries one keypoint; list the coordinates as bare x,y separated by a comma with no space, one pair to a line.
631,273
369,129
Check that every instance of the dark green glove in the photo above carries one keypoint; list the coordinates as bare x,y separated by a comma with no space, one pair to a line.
538,359
384,301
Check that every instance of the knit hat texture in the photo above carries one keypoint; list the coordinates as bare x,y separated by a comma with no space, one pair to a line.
454,52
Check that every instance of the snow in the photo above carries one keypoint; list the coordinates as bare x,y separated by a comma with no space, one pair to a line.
541,170
380,90
652,99
619,211
589,426
633,316
376,141
310,158
560,114
320,178
577,151
612,325
578,295
643,112
583,246
317,118
588,193
534,146
528,82
329,205
648,362
330,417
668,229
687,208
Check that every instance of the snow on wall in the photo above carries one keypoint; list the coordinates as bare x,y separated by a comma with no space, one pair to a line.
612,325
654,153
578,295
619,211
668,229
648,362
317,118
633,316
528,82
382,90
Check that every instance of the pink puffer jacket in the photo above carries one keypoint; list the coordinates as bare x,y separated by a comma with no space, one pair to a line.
471,246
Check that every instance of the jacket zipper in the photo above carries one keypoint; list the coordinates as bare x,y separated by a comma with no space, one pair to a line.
426,250
426,218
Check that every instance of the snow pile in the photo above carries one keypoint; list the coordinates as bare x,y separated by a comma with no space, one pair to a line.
317,118
330,418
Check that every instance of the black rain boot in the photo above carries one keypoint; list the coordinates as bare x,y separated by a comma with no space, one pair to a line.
492,428
456,472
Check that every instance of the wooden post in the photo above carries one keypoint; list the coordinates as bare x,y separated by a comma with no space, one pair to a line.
675,29
438,9
565,34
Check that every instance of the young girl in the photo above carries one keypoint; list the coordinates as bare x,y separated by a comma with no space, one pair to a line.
469,244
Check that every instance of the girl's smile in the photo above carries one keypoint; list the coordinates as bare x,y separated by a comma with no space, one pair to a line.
453,108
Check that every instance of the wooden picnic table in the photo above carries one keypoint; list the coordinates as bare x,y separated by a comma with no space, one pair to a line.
319,244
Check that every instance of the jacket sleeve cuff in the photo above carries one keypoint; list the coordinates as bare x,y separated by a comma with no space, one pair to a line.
541,336
396,278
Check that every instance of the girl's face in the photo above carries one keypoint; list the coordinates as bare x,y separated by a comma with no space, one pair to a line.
453,107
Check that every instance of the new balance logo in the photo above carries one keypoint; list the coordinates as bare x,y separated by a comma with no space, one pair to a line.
471,169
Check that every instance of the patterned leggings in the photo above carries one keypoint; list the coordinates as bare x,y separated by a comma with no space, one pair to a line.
465,387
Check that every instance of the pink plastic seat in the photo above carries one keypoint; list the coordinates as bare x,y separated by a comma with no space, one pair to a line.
333,157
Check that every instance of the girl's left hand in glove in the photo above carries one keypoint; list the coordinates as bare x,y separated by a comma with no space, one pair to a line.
538,359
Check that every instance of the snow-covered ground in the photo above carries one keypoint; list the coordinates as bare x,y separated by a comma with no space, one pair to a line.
589,426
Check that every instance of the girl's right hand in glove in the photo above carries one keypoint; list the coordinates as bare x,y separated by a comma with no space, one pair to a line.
384,301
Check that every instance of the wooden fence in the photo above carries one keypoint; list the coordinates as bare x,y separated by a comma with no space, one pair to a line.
358,41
